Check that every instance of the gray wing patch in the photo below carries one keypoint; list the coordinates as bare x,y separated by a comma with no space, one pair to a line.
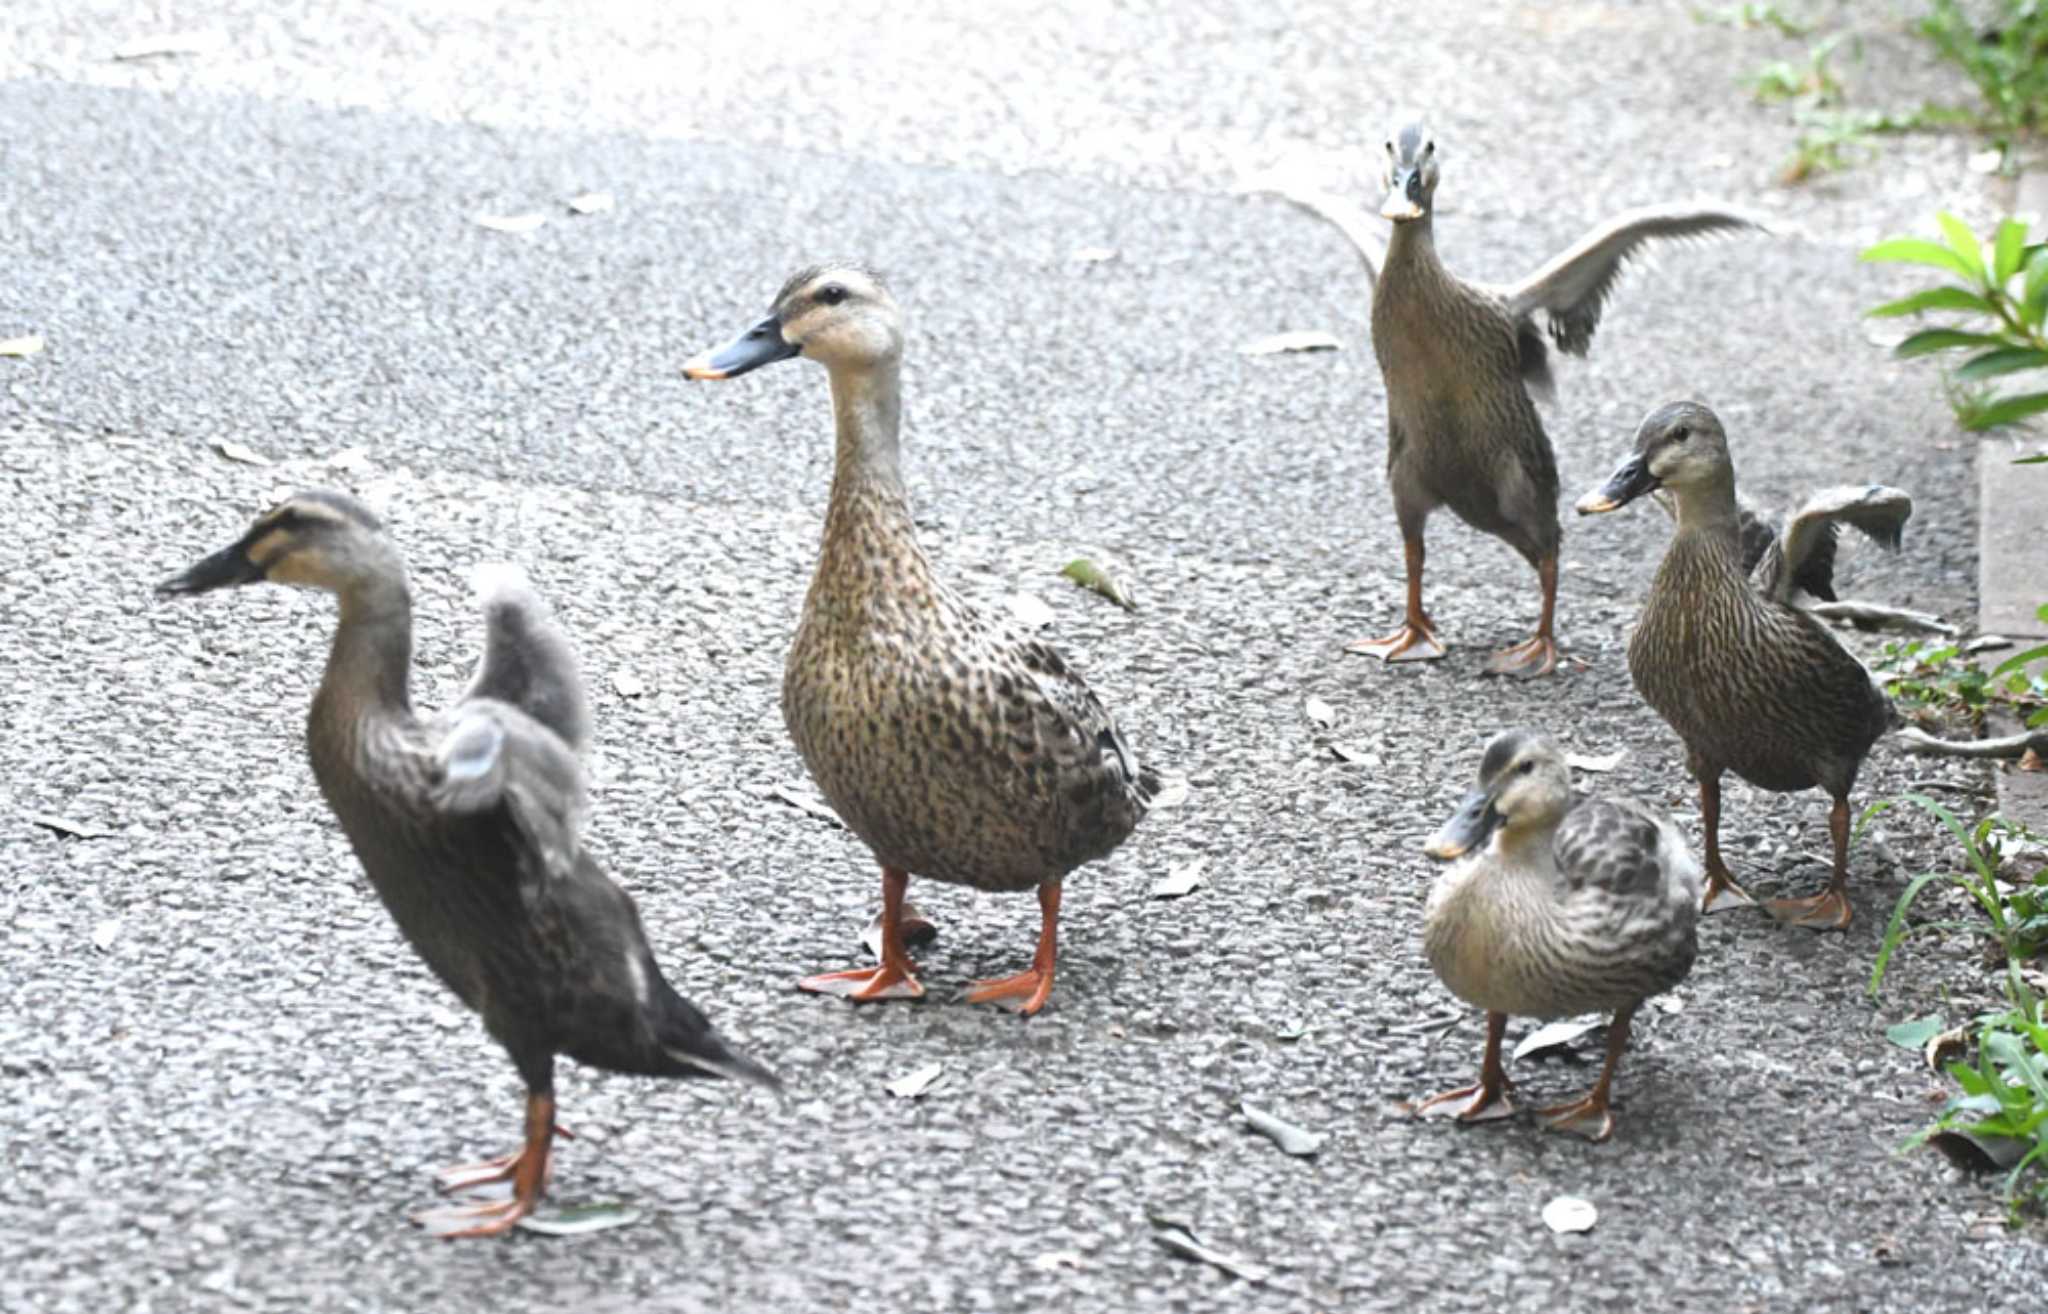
494,760
1572,288
527,661
1803,559
1609,846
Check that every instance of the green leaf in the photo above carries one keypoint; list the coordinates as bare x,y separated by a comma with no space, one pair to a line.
2010,242
1963,242
1942,339
2019,659
2003,360
1919,251
2034,287
2007,410
1915,1034
1934,298
2039,458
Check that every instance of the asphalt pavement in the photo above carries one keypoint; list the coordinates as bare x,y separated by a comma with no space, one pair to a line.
226,1078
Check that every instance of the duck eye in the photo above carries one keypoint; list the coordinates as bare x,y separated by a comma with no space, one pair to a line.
831,294
1526,767
1680,434
1428,148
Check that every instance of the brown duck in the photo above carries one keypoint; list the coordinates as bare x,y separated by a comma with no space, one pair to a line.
956,747
469,825
1459,360
1749,680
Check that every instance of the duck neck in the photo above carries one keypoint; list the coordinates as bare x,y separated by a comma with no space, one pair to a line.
1707,512
1413,241
868,519
369,668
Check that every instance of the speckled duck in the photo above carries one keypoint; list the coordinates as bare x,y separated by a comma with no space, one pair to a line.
1553,907
1750,681
468,824
954,746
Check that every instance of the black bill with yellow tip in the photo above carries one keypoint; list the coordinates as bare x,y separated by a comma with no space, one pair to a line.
224,569
1469,827
760,345
1625,485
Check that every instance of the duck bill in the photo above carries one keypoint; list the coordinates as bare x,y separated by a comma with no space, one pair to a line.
760,345
1627,484
224,569
1399,207
1469,828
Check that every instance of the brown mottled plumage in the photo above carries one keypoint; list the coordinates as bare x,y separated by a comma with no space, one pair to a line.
1459,360
1555,907
468,825
1750,681
955,746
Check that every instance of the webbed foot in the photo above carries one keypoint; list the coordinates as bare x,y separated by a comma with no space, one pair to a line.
1410,643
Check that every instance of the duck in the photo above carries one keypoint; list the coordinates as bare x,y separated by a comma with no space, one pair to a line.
469,825
1727,654
957,747
1461,360
1555,906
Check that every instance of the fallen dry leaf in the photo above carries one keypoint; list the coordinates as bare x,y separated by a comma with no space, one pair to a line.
1319,711
580,1220
235,451
1297,1141
510,223
917,929
800,797
66,826
28,344
168,46
916,1082
1181,1240
1298,340
1568,1213
1182,880
592,202
1031,611
1605,762
1170,794
1091,576
627,684
1556,1037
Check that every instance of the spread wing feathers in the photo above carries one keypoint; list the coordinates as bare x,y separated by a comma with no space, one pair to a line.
1572,289
1354,221
1802,559
1076,730
1615,847
491,758
527,660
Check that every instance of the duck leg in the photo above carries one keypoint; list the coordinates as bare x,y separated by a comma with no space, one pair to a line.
1034,984
1722,892
528,1174
1588,1115
1416,640
1828,910
1537,654
457,1178
1487,1098
895,977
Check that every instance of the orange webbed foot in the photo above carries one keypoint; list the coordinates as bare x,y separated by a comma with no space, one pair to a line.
1534,656
867,984
1588,1117
1482,1103
1030,987
1826,911
1410,643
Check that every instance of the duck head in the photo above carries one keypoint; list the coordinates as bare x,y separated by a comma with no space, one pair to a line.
319,539
1525,785
1411,175
839,315
1679,446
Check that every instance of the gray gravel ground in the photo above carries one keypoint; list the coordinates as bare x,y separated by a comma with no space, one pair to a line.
226,1078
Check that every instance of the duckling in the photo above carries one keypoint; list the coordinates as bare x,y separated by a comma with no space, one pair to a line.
954,746
1459,360
1555,906
469,826
1726,655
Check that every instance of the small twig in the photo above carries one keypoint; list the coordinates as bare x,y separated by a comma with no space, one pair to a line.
1872,614
2006,746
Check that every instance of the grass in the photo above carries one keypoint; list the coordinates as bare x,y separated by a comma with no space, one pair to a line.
2002,1087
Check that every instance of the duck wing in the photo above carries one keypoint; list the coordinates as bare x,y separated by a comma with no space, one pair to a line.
1074,730
1359,226
1802,558
491,758
1613,847
1572,288
527,661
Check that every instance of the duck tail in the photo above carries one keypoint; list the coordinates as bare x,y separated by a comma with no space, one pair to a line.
690,1041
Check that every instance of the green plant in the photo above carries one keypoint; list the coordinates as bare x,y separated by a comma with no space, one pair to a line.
1941,677
2003,290
1810,83
2008,62
1745,16
2004,1092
